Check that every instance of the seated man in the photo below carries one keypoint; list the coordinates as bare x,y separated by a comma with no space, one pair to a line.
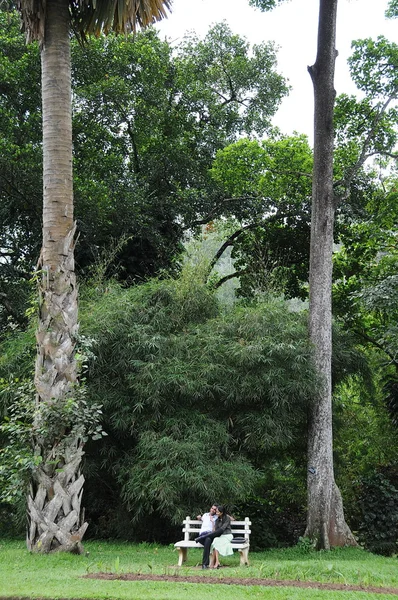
208,521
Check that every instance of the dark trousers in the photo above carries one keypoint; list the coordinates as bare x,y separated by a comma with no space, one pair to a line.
207,541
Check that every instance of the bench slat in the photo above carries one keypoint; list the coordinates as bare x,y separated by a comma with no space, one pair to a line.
233,523
190,530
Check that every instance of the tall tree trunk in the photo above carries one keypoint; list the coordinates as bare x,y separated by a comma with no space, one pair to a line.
54,503
326,524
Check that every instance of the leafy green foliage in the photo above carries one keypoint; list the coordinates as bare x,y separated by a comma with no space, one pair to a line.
17,460
273,181
364,438
147,122
367,127
20,170
354,119
198,98
52,427
194,399
265,5
277,172
379,504
188,459
373,66
392,9
365,267
279,507
229,76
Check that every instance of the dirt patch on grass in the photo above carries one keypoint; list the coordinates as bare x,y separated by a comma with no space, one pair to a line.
220,578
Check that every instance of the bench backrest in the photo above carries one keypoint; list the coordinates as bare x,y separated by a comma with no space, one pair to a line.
192,526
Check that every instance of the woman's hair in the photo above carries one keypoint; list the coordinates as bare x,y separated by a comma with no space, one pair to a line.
221,508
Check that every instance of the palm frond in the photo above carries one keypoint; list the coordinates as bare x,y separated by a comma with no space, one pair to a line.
121,16
92,17
33,14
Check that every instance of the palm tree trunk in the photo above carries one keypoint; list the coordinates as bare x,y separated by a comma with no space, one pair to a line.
54,504
326,524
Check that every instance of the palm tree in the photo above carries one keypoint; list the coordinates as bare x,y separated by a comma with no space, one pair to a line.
56,519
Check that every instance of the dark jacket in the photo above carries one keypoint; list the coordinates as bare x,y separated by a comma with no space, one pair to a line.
223,525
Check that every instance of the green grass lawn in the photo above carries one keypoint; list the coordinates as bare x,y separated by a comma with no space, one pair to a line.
53,576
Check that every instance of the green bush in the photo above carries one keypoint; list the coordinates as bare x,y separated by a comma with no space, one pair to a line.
278,515
12,521
194,397
378,530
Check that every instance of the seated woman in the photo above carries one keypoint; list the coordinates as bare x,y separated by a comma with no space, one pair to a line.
222,544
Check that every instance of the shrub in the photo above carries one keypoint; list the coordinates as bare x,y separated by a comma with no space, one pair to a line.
378,531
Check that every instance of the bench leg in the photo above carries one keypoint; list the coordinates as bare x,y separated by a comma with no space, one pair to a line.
182,555
244,557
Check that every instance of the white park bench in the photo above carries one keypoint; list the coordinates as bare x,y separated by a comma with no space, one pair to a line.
241,541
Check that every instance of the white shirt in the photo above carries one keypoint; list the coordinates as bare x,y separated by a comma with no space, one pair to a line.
207,522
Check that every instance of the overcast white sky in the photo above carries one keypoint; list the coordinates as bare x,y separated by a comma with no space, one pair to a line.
293,26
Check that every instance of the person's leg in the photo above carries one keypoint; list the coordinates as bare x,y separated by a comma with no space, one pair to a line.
216,559
212,535
200,539
206,552
212,559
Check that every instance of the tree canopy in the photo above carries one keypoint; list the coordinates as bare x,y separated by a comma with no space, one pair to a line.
143,185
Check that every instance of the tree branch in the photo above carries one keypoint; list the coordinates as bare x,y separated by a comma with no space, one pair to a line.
230,242
231,276
377,344
213,213
131,136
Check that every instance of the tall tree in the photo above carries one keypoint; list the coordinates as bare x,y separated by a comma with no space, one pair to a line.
373,67
56,521
325,521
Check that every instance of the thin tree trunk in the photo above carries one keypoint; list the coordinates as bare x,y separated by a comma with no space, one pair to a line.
326,524
54,504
